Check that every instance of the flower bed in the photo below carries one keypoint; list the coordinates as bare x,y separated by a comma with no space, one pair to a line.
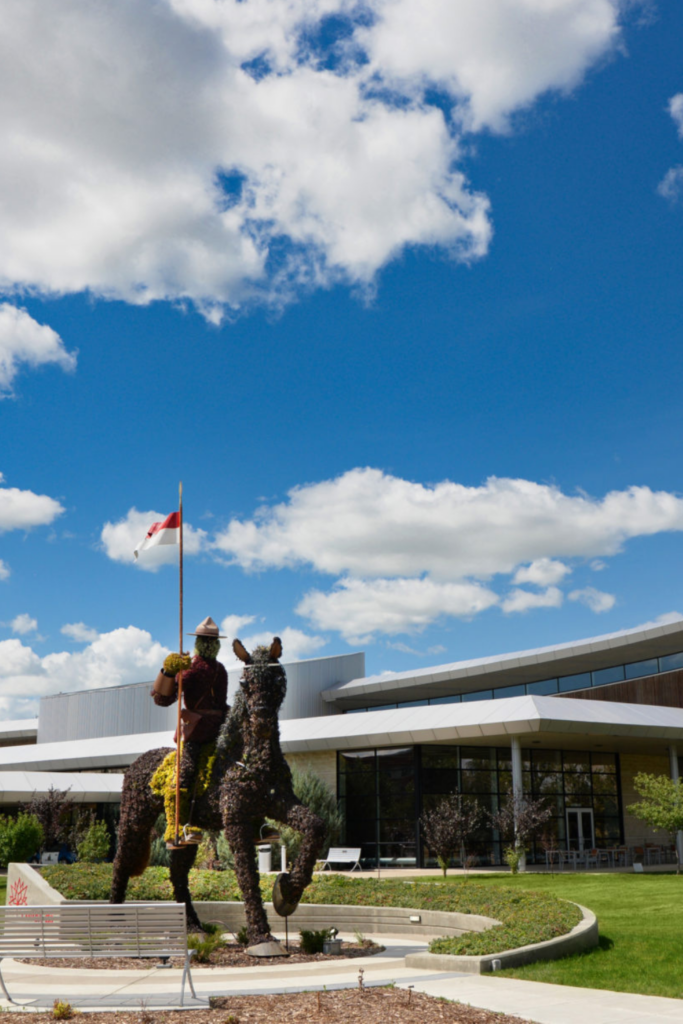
526,917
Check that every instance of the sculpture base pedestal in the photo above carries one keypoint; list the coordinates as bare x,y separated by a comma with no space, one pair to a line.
273,948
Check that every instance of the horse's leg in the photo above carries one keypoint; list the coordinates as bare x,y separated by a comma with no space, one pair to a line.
181,862
139,810
240,835
312,828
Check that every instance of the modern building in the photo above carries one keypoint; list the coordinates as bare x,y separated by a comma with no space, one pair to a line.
573,723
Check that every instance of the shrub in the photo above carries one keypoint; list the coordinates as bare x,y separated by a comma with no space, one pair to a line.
204,947
243,936
62,1010
20,838
95,846
312,942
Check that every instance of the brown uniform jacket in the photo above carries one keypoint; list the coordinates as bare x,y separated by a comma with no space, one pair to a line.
205,689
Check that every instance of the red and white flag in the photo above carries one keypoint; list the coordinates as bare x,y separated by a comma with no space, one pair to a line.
167,532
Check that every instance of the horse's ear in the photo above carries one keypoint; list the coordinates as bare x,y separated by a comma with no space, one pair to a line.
276,649
241,652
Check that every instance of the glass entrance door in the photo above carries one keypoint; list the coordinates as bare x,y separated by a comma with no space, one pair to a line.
580,831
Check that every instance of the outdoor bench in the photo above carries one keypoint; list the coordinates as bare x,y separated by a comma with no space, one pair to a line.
156,930
342,855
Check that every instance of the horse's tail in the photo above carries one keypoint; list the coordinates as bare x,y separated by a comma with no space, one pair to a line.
140,859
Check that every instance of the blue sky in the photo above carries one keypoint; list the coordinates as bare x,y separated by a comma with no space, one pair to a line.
347,279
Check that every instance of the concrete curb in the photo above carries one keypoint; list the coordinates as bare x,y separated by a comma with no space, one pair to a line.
583,936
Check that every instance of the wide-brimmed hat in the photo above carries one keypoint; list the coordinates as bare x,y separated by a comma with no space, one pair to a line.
208,628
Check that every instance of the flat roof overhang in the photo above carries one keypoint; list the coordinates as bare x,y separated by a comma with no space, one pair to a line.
84,787
507,669
549,722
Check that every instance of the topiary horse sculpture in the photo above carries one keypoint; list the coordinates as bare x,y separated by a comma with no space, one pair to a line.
261,787
249,781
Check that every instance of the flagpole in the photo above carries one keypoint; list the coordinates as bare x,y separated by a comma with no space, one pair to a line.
180,674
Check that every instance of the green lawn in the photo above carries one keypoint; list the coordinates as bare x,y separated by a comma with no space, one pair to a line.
641,931
3,888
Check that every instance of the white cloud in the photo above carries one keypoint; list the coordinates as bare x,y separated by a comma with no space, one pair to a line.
360,608
544,572
5,571
24,624
671,185
597,565
113,170
597,600
21,510
79,632
295,644
524,600
232,625
367,523
121,538
665,619
676,111
24,340
125,655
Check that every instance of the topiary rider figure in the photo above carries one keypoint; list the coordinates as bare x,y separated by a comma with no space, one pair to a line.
205,699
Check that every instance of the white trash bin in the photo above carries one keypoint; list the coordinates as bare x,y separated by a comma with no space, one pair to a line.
264,860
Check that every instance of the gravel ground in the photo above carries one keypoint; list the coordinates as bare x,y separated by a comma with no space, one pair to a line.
230,955
371,1006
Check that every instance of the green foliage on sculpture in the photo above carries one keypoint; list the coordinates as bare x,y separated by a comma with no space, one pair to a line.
94,847
661,806
207,647
20,838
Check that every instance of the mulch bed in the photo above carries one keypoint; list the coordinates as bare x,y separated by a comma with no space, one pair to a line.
371,1006
230,955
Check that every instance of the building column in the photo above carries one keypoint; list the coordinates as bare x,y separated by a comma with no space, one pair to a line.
673,760
517,782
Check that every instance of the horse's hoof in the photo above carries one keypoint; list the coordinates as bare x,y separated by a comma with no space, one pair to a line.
283,904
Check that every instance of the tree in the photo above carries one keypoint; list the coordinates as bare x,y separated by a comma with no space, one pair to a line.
449,827
20,838
315,794
661,807
95,845
519,821
53,812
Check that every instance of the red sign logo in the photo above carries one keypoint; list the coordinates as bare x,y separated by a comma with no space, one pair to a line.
18,894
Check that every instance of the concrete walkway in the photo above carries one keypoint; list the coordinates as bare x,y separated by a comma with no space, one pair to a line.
38,987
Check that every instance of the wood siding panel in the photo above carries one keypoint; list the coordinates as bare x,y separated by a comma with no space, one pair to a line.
663,690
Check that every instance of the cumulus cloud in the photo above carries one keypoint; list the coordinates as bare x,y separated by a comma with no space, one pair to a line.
23,624
597,600
544,572
5,571
406,554
360,608
295,643
120,539
125,655
232,625
231,127
79,632
671,185
524,600
368,523
21,510
24,340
